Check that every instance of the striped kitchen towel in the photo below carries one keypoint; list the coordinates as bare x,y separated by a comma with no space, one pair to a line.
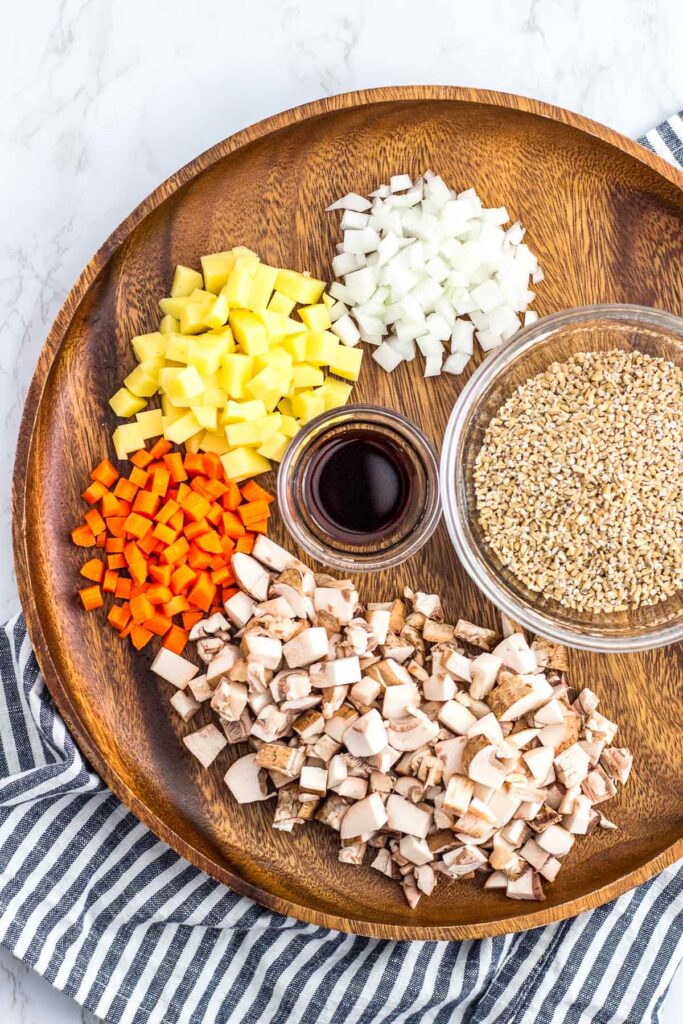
109,914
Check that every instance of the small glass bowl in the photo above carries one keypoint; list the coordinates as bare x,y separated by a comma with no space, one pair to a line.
412,530
552,339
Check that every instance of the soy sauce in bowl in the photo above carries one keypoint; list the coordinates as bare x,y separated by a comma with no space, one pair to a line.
360,485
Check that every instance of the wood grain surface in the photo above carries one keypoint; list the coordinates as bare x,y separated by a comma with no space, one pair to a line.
606,220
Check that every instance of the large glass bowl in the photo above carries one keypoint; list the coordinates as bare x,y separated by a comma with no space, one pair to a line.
555,338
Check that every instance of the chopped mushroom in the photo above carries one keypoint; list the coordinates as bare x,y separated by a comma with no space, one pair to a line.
463,761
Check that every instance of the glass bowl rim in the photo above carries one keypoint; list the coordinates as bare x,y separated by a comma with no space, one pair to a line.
413,542
487,372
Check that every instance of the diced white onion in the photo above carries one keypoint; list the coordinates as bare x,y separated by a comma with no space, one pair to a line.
416,258
530,317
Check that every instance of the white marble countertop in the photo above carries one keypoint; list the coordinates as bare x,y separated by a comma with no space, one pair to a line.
102,101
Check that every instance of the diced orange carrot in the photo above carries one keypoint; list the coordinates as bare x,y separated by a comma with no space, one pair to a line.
183,491
229,592
195,507
176,551
101,539
161,574
158,624
174,464
232,525
253,511
124,507
251,491
223,575
210,542
194,463
190,619
146,503
123,588
137,525
94,492
110,505
91,597
177,520
119,615
125,489
140,636
259,527
193,530
83,536
196,558
175,606
109,582
115,526
175,640
114,545
214,516
168,509
138,477
149,544
213,466
164,533
93,570
95,521
232,497
105,473
141,608
141,458
245,543
216,489
160,481
202,593
158,593
182,578
160,448
228,546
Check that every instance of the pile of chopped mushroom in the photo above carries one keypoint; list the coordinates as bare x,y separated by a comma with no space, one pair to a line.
445,749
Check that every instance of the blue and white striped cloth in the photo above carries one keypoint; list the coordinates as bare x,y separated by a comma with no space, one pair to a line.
109,914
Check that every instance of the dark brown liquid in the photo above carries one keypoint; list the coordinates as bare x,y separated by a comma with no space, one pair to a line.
359,485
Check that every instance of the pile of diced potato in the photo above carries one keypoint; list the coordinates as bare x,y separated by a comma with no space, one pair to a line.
237,374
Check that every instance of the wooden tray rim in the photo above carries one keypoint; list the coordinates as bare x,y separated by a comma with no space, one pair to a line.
535,918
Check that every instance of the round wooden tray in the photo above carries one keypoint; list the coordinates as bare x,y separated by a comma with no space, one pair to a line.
606,220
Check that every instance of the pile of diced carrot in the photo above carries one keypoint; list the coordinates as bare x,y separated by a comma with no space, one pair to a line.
167,532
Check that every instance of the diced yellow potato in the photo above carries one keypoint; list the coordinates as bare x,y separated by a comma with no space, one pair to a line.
173,307
265,381
279,303
238,286
213,398
213,442
279,357
216,268
267,425
272,398
193,317
346,362
206,416
275,325
192,444
177,348
169,325
201,295
125,403
307,376
274,447
316,317
306,405
288,426
242,463
285,407
151,423
238,412
296,345
328,300
242,250
306,290
167,407
245,433
334,393
147,346
249,332
172,416
182,383
321,347
127,438
218,313
182,429
236,370
185,280
143,381
206,354
262,285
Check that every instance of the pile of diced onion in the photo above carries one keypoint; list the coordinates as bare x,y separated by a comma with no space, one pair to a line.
423,267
